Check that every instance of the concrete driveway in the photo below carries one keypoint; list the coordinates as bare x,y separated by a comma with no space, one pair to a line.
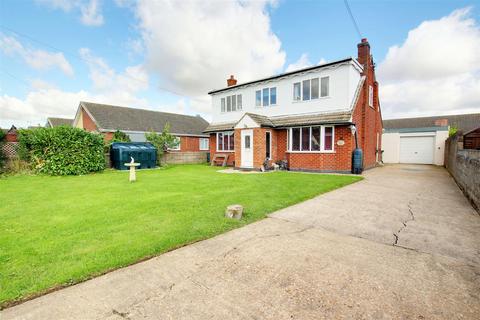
402,244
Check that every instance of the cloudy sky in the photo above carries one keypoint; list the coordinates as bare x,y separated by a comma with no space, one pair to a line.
165,55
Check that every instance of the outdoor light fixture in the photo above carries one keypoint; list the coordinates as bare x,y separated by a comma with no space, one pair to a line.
353,129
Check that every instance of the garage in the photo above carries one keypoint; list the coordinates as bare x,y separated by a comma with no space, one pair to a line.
418,149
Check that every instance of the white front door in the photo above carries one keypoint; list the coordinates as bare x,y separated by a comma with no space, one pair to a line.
247,149
417,149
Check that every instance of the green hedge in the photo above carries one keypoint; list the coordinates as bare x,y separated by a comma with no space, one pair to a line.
62,150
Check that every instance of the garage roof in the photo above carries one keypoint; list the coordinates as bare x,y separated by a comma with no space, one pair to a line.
463,122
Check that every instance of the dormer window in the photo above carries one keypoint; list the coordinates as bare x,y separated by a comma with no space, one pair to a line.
266,97
311,89
231,103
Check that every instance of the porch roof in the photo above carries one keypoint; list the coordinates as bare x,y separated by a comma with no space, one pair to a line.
341,117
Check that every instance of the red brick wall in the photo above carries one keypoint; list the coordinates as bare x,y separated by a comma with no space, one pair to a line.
213,149
189,144
339,160
11,137
368,120
88,123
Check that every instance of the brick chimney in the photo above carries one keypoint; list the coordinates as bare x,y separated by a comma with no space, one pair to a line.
364,52
441,122
232,81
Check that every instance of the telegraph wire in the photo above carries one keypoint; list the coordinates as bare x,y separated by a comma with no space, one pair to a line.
353,19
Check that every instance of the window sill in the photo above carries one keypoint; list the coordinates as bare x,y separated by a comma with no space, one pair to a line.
311,100
328,152
226,151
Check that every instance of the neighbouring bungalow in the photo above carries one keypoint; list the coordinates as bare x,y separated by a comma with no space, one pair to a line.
57,122
312,118
106,119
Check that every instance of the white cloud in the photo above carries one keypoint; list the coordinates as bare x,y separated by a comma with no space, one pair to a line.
435,71
91,13
193,46
37,59
302,62
44,101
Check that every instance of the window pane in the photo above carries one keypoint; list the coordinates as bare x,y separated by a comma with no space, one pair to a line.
325,87
232,141
306,90
229,103
247,142
220,141
265,97
305,139
239,102
225,141
370,96
223,105
315,138
315,88
296,91
328,138
273,95
258,98
234,103
296,139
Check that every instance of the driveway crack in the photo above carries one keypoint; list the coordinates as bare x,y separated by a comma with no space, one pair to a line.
404,223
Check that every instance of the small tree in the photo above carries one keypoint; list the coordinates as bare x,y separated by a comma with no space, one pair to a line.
452,131
162,141
119,136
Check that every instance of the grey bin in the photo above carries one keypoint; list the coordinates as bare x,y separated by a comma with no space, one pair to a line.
143,152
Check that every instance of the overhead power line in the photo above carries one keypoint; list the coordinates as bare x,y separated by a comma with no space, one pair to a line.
353,19
84,59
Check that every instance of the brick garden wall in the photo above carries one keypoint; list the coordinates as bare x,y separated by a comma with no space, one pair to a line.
184,157
464,166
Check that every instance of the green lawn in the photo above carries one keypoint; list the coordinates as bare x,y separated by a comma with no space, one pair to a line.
61,230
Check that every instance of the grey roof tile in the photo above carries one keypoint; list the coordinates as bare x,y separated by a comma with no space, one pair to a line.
112,118
56,122
464,122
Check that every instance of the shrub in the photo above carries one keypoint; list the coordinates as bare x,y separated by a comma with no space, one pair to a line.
452,131
62,150
119,136
162,141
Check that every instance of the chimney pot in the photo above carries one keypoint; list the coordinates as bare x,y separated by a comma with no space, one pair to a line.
231,81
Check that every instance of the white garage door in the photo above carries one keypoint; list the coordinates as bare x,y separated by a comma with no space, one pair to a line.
416,150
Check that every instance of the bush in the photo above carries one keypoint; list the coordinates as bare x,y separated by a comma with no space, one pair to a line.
62,150
162,141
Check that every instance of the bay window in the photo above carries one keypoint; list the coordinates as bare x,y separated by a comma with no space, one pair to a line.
311,139
225,141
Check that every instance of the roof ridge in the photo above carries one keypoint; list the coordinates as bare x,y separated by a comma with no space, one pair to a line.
445,115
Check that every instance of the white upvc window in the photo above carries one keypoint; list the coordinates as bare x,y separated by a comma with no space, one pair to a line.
204,143
311,89
177,144
370,96
231,103
225,141
266,97
311,139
